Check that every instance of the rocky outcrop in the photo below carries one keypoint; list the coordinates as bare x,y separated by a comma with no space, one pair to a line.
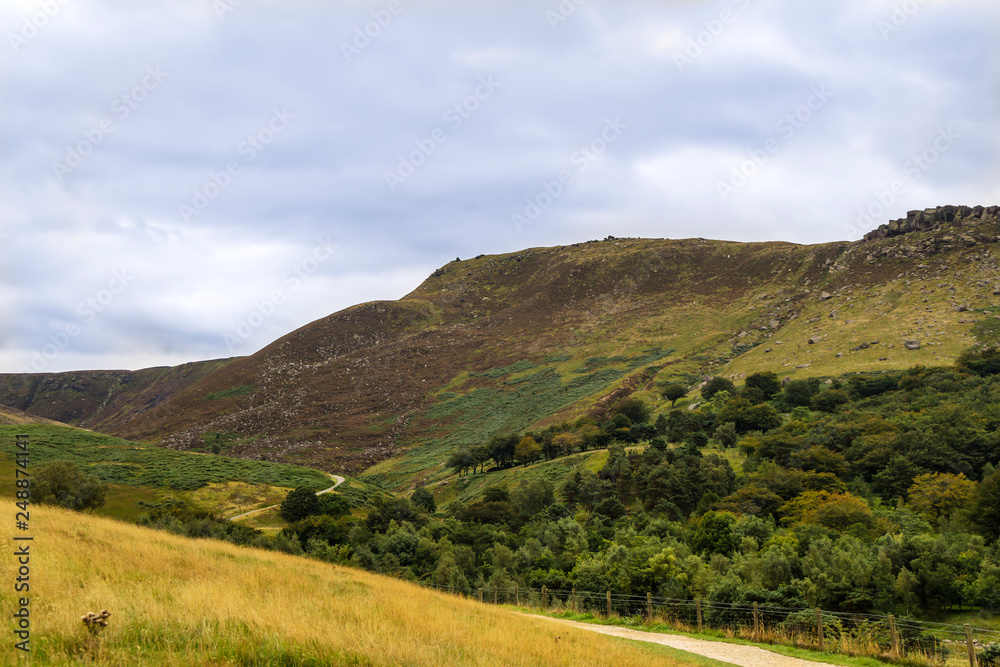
942,217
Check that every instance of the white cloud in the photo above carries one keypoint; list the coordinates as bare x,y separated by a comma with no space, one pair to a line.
323,176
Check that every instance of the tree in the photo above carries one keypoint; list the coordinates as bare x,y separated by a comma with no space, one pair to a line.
527,450
766,381
461,461
63,483
423,499
299,503
715,385
633,408
481,455
725,435
674,392
838,511
501,449
714,534
800,392
819,459
334,505
829,400
749,417
936,495
987,506
565,443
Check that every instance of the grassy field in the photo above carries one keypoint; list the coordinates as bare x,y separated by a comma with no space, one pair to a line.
134,464
176,601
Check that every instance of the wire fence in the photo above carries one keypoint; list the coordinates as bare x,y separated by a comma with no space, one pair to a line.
884,636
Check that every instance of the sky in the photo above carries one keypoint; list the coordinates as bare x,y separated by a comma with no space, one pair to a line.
193,179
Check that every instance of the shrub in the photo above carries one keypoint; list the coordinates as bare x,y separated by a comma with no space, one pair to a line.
63,483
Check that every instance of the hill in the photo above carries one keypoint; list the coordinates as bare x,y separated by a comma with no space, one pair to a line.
13,416
509,342
176,601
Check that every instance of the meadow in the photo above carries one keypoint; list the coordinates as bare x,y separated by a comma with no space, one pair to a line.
129,463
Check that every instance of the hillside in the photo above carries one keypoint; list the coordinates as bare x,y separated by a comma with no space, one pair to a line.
13,416
507,342
176,601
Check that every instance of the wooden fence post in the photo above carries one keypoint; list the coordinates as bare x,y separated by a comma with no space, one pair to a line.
972,647
480,594
697,608
819,629
609,604
495,595
756,623
574,599
649,607
544,590
517,598
894,635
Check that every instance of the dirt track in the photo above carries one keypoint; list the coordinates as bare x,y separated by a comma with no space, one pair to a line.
736,654
337,479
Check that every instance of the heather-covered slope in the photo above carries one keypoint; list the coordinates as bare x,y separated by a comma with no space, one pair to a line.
508,341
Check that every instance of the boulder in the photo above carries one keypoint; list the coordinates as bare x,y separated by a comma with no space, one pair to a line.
912,345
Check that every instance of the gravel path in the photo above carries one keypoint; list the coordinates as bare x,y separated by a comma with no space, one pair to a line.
337,481
736,654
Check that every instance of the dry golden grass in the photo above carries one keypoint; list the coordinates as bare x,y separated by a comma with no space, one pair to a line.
176,601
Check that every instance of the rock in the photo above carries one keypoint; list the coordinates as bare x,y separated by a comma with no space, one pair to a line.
815,339
802,366
840,354
785,380
996,291
825,296
774,324
912,345
861,346
960,309
828,382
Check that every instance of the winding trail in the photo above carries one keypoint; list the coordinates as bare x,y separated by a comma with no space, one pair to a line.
735,654
337,479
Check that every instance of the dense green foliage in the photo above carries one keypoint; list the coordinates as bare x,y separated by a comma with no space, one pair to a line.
865,493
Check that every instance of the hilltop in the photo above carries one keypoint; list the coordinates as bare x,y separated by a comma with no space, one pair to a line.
507,342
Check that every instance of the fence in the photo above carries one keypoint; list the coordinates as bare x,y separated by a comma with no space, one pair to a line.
900,639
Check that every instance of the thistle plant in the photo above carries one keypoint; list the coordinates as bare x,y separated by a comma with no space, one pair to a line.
95,622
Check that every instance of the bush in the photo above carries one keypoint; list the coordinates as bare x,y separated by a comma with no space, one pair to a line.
980,362
63,483
990,657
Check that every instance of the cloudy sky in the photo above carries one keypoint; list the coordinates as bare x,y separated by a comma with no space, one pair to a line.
192,179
